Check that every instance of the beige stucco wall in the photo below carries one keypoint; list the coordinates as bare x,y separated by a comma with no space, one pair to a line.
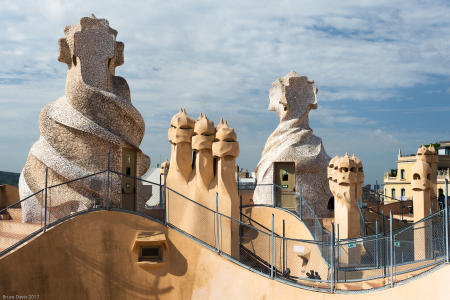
294,229
246,197
90,257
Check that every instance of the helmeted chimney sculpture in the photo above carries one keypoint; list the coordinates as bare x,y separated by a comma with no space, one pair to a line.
77,130
429,155
292,97
203,165
422,184
346,178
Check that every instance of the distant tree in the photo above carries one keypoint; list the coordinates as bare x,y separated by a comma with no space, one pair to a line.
9,178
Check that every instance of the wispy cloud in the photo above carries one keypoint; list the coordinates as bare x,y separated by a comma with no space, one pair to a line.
221,58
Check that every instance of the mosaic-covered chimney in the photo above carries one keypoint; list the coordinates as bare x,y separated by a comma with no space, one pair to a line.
78,129
293,157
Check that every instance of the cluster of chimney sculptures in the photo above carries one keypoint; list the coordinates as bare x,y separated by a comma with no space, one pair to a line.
96,115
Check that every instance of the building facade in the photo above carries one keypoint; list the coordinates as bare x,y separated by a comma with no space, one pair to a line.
397,182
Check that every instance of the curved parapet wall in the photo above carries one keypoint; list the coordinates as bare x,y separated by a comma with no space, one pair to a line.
301,253
78,129
67,263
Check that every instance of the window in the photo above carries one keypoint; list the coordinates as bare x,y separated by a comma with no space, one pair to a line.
403,193
194,156
402,174
215,162
444,151
151,254
393,193
331,203
441,198
285,176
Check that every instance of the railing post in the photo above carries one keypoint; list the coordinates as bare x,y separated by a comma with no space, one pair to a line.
167,203
301,202
217,223
362,221
315,229
273,195
384,243
42,223
272,249
332,258
338,253
284,245
163,198
240,208
377,196
45,199
442,222
391,248
237,179
376,243
108,181
446,220
161,202
431,235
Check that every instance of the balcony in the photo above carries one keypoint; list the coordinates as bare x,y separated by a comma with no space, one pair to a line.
389,176
442,174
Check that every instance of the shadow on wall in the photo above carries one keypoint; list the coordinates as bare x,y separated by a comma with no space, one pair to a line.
9,194
103,256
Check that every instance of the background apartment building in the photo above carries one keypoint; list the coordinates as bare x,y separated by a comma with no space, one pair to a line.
397,182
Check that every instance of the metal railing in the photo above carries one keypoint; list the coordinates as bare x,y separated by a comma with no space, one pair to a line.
302,208
394,255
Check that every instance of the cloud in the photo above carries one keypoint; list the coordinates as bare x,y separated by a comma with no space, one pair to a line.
221,58
357,94
333,117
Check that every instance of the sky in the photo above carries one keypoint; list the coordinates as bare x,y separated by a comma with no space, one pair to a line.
382,69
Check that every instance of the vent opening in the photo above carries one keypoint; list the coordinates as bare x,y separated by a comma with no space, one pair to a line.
151,254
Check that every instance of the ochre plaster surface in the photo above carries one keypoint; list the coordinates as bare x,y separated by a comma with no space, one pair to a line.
291,98
67,263
77,130
9,194
298,263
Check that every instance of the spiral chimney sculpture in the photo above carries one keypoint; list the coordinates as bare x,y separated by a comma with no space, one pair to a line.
77,130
